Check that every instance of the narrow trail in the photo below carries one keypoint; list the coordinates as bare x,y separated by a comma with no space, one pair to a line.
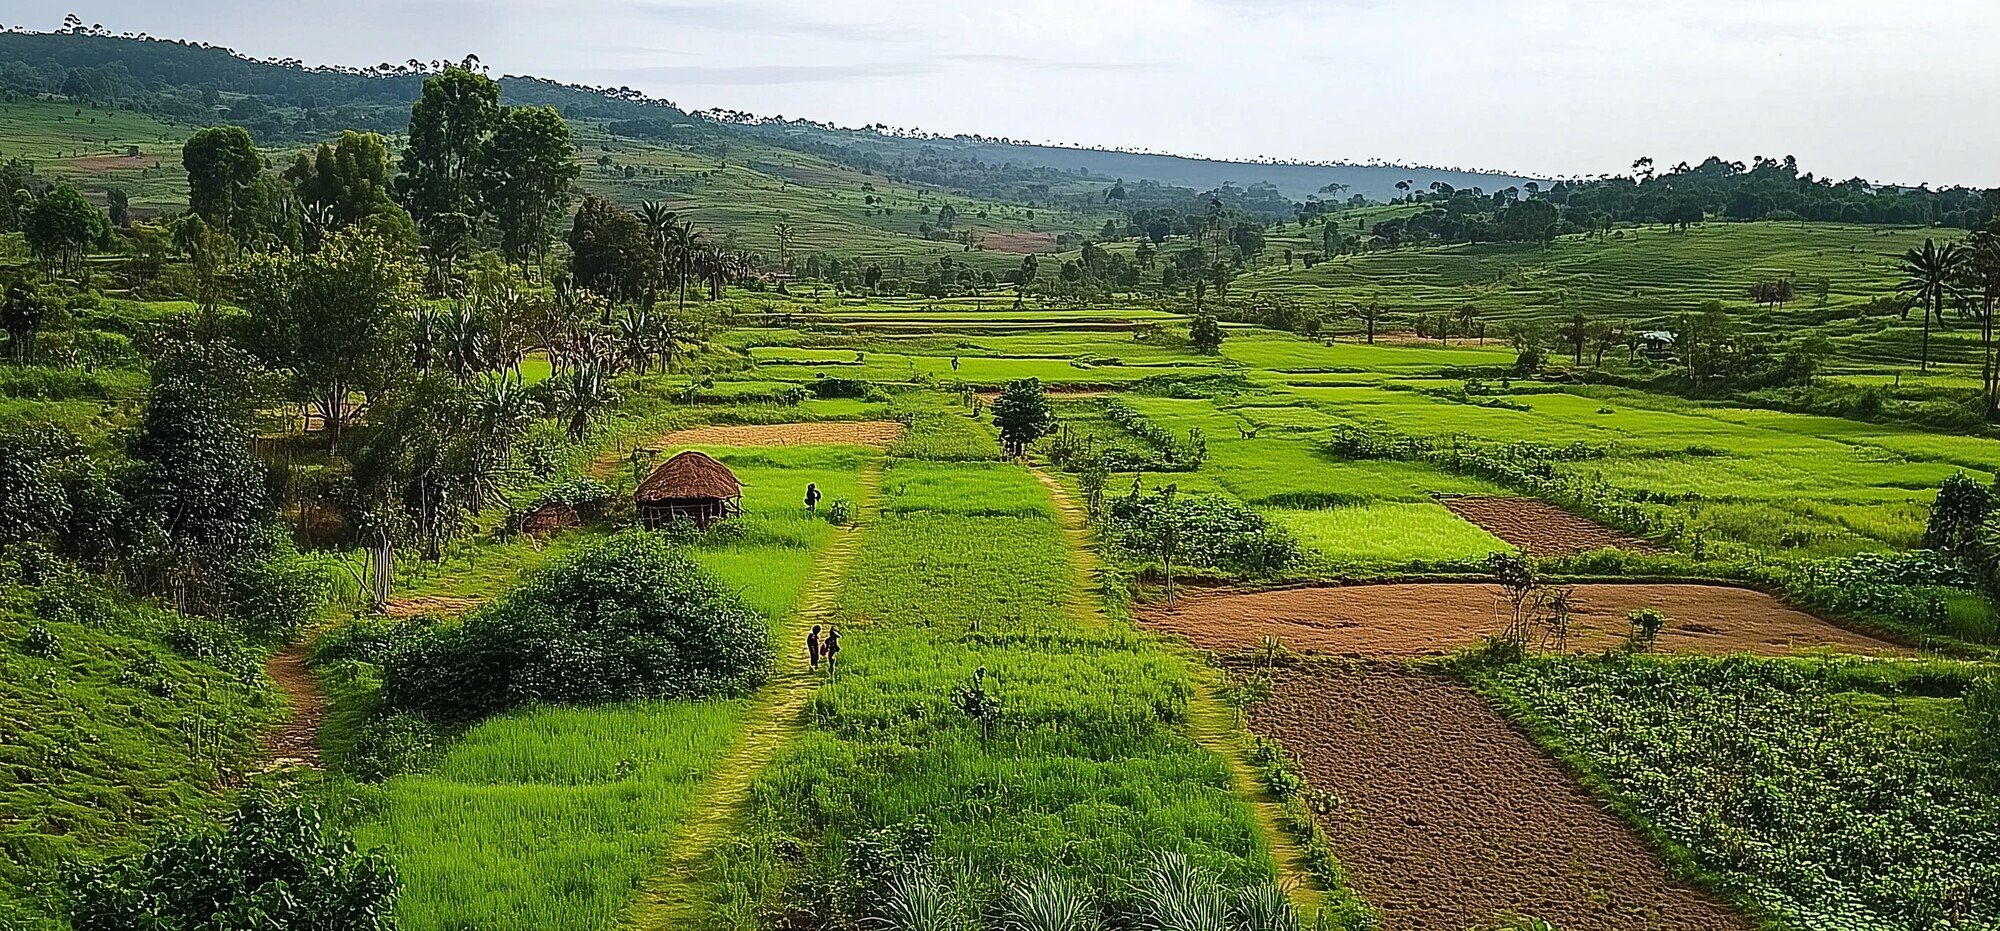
671,899
296,741
1209,723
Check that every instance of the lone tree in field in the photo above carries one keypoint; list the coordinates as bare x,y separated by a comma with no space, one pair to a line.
1205,334
1931,275
1023,414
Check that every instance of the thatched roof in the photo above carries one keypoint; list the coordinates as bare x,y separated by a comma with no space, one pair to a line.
691,474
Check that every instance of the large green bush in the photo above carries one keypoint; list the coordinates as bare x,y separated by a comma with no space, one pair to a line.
276,866
630,618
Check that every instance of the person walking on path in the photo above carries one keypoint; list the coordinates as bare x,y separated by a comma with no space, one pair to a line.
832,647
812,497
812,647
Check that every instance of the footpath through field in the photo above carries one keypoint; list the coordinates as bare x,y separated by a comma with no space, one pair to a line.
297,740
1209,722
672,899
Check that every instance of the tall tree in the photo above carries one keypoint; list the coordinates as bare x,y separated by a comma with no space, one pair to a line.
223,167
449,126
1931,275
1982,269
350,180
1205,334
525,176
62,227
25,309
611,252
1023,415
334,321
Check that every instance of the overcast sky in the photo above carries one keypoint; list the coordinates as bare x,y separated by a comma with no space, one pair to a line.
1888,91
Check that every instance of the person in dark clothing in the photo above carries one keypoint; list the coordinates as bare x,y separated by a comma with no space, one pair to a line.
954,363
812,646
832,646
812,497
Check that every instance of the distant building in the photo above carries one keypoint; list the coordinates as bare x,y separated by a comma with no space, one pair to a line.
1658,345
691,486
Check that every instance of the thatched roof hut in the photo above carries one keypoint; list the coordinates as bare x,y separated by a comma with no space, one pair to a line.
690,486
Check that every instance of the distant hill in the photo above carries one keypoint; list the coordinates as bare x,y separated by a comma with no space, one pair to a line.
285,101
1296,181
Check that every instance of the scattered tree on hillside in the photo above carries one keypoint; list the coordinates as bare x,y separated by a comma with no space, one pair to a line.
25,309
1205,334
1023,415
223,167
449,125
336,322
61,228
1370,315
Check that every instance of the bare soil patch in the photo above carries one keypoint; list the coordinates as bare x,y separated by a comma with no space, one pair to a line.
878,433
297,740
1019,242
1449,818
1428,619
1542,528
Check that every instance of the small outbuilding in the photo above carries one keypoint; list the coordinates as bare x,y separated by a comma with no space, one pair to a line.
691,486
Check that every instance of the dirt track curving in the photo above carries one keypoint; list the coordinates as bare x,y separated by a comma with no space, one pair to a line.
1427,619
1541,528
1449,818
879,433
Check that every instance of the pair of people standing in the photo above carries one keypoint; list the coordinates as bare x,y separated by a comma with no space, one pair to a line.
823,649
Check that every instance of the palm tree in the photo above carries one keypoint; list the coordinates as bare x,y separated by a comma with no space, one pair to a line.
1931,275
784,233
683,244
659,221
582,395
1982,273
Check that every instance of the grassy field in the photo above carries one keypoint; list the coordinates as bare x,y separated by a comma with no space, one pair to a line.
553,817
1088,767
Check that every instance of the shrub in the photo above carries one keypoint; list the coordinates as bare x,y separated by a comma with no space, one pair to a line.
276,865
41,642
273,598
1982,708
391,745
630,618
586,496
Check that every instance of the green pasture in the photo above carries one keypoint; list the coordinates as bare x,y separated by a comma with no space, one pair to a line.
550,818
1090,767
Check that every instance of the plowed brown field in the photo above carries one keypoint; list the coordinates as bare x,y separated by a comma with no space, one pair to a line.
1541,528
1449,818
1427,619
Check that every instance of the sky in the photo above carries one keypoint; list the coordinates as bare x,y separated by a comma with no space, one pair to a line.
1887,91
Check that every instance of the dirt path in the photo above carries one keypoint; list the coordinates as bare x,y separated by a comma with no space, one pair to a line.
1450,818
296,741
672,898
1541,528
1209,723
1428,619
402,606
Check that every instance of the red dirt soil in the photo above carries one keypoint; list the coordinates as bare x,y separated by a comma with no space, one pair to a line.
1429,619
296,741
1541,528
1449,818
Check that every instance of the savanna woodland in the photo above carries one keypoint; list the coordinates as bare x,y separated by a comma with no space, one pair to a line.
438,502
